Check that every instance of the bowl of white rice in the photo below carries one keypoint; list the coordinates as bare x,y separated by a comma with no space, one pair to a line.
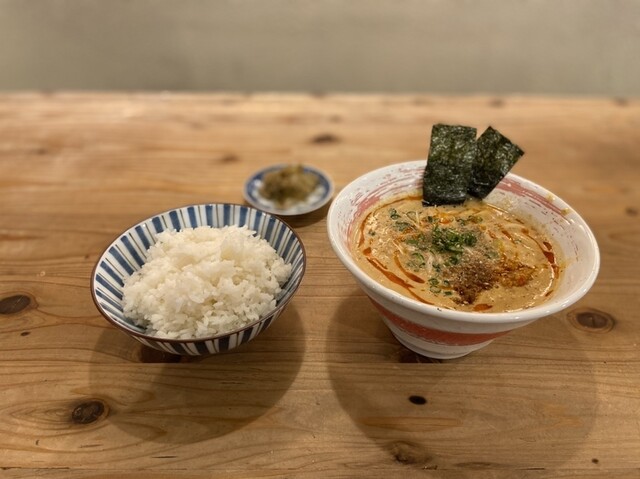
201,279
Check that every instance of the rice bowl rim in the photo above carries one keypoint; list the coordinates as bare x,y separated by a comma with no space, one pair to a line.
279,305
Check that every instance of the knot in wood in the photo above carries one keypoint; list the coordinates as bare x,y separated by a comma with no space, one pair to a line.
89,411
16,303
592,320
228,158
325,138
406,452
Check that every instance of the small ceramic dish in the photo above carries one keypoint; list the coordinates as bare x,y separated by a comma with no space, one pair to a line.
316,200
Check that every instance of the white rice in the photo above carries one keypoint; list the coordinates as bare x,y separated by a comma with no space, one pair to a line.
204,281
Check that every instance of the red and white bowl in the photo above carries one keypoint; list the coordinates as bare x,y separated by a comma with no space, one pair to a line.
443,333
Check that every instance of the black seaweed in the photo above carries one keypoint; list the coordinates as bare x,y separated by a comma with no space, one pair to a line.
447,175
496,155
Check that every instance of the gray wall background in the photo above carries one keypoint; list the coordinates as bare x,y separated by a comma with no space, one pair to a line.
578,47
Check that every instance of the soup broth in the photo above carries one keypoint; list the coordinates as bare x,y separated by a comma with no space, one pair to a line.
467,257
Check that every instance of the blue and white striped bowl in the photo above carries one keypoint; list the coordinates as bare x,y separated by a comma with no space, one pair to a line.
128,253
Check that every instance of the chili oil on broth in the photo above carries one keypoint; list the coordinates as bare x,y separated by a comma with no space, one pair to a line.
467,257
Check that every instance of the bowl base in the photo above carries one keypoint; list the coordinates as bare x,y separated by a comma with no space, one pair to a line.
431,353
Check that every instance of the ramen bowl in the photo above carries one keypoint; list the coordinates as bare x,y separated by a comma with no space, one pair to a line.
128,253
443,333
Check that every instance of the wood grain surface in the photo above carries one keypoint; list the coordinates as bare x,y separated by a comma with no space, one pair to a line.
326,392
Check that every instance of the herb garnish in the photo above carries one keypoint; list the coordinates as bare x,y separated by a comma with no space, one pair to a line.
452,240
427,235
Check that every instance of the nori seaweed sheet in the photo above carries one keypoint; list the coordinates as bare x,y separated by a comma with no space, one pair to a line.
495,157
447,175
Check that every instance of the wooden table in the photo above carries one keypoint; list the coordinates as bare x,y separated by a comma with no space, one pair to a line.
326,391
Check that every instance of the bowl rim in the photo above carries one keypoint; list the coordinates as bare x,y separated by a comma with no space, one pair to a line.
547,308
249,182
280,306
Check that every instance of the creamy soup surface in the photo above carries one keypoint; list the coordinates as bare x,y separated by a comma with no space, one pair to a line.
468,257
